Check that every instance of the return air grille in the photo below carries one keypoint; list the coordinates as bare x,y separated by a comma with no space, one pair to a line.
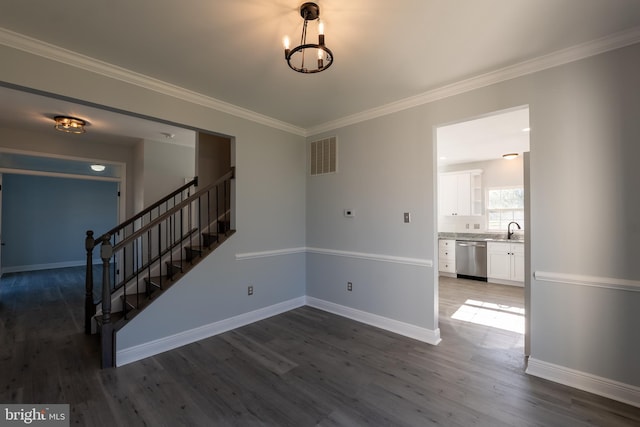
323,155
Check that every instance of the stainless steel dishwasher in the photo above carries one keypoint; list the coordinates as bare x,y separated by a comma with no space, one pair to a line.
471,260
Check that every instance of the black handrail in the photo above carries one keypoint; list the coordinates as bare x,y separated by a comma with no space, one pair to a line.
149,209
170,212
134,264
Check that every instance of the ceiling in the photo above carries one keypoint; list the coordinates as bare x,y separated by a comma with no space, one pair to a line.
27,110
484,138
231,51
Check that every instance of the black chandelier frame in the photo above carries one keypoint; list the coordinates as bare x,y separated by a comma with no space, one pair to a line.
309,12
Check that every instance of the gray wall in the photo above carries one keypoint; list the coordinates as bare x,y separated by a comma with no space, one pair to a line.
585,211
270,200
86,146
166,167
44,219
495,173
269,216
385,169
585,208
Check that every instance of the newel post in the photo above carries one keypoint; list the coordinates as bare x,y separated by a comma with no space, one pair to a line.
89,306
106,251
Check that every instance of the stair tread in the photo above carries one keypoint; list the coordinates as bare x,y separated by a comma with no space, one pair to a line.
135,303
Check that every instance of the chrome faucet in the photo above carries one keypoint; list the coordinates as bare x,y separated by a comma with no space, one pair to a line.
509,232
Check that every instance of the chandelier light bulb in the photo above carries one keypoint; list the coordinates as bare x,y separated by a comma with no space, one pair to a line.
320,27
285,42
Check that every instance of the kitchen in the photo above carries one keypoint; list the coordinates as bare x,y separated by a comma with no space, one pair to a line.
481,220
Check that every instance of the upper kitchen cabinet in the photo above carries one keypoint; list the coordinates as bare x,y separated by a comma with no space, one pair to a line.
460,193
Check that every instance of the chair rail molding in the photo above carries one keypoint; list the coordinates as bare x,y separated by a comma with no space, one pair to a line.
591,281
420,262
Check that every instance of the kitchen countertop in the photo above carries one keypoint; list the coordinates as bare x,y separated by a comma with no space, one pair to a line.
479,237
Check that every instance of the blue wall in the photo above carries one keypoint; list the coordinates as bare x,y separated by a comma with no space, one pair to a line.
45,219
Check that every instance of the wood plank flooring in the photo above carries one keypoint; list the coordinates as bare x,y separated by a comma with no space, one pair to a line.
302,368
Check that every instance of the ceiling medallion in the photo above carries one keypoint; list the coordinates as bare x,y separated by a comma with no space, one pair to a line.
320,55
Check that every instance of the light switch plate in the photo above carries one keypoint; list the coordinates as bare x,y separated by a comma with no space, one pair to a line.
407,217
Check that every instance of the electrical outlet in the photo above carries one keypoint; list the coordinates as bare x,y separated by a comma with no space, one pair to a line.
349,286
250,290
476,226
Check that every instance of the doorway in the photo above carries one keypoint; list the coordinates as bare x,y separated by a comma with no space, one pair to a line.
482,198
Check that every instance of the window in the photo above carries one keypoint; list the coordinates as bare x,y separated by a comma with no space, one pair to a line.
503,206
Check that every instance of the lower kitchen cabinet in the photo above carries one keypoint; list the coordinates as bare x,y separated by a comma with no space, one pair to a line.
447,257
505,263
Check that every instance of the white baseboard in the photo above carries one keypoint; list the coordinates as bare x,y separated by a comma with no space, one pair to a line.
583,381
416,332
151,348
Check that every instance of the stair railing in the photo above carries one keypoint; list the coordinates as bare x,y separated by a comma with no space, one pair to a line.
135,250
90,242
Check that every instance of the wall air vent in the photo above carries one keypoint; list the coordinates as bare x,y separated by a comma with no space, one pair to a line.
323,156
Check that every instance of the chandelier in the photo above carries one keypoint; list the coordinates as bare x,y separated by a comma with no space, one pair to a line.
309,57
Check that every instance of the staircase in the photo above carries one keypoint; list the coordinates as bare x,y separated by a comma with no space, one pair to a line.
150,252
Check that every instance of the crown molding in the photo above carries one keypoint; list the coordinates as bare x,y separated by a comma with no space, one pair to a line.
560,57
74,59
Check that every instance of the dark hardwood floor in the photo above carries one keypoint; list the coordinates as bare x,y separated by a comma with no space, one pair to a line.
302,368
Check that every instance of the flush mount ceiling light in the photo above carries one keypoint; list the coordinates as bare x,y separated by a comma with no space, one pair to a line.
69,124
98,168
318,56
510,156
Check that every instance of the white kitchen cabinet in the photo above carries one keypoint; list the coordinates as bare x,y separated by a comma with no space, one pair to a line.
477,205
447,257
460,193
505,263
